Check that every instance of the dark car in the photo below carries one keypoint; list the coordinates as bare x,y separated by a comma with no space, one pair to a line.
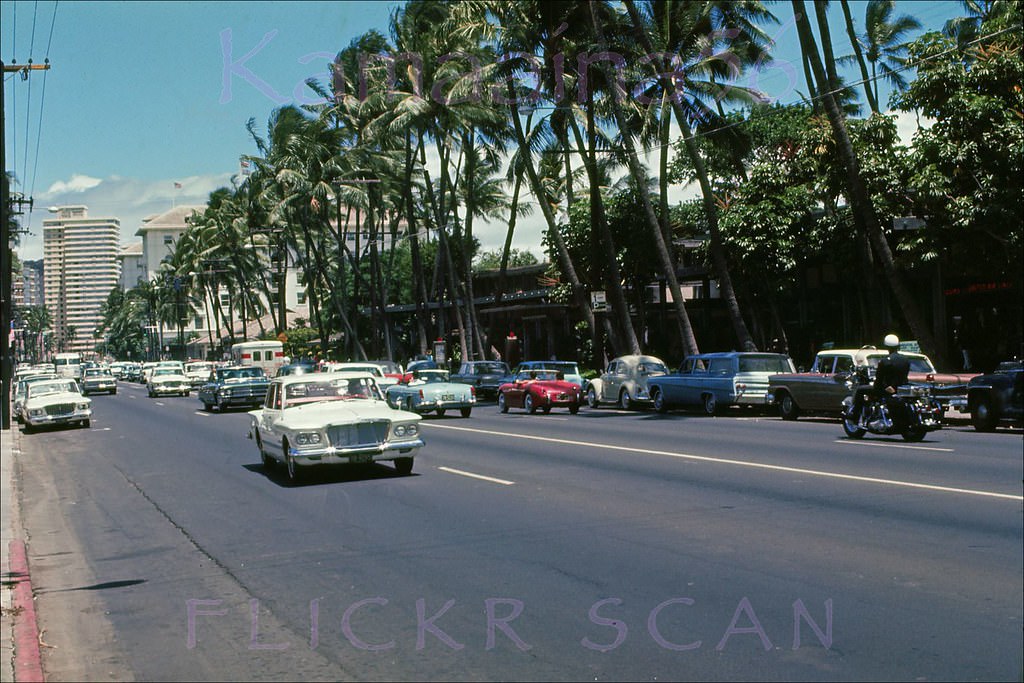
484,375
95,380
234,386
995,398
296,369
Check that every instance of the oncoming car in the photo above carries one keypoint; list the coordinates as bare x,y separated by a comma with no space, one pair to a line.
332,419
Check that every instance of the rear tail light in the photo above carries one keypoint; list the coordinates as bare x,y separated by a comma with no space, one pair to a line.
472,391
421,393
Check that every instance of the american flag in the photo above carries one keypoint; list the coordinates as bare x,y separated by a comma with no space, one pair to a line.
177,186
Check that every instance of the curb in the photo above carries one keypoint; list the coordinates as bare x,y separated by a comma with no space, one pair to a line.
28,665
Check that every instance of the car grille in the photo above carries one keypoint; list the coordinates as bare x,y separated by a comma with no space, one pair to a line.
60,409
359,434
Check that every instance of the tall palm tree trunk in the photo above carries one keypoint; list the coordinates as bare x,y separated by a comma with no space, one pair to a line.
864,215
859,54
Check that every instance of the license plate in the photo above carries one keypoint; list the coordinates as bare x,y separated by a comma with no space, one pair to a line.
360,458
448,397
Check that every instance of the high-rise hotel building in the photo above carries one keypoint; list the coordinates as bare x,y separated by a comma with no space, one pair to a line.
80,269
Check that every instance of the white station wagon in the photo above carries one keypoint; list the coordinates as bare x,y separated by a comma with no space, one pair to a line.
332,418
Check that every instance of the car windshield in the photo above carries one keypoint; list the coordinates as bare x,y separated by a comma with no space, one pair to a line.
546,375
431,376
490,369
388,367
162,372
764,364
45,388
371,369
565,367
241,373
652,368
917,363
315,391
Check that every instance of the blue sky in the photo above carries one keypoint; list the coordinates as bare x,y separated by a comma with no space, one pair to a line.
143,95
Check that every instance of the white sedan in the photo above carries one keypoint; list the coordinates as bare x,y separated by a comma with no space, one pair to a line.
168,380
332,418
55,402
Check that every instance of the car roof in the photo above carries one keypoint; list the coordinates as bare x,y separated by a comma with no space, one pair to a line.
636,359
323,376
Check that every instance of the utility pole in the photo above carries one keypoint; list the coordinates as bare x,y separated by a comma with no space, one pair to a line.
6,255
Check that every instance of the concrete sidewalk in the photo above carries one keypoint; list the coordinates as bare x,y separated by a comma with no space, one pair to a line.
19,637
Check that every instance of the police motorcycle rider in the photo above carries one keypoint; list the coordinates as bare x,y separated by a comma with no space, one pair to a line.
891,373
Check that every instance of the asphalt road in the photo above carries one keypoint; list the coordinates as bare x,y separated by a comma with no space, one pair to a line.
602,546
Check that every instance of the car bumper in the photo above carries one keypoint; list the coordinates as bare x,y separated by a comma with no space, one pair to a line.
107,386
353,455
43,420
441,404
171,389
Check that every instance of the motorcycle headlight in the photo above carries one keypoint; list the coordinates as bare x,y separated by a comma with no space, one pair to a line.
307,438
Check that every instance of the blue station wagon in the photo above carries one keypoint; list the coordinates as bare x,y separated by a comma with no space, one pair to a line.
713,381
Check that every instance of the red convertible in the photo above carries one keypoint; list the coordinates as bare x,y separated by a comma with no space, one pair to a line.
542,390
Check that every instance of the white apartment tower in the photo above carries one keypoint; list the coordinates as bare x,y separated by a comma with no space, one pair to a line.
80,269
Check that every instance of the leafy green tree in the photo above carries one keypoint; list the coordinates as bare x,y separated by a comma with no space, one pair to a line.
491,260
968,166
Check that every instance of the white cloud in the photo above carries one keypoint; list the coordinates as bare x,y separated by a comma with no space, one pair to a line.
77,183
908,123
127,199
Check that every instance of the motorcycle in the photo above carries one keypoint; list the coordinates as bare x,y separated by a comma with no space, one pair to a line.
913,414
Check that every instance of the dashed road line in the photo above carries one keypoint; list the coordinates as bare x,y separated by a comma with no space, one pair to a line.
739,463
463,473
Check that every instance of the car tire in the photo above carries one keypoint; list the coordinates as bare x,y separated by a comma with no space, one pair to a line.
441,412
86,424
465,412
592,401
502,405
528,405
207,406
222,406
29,429
658,397
625,402
403,466
710,405
983,417
574,409
295,473
788,409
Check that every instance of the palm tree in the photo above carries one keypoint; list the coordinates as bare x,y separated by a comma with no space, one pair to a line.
864,215
885,40
688,25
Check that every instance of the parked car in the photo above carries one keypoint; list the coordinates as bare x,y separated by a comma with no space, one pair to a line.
624,382
429,390
389,368
234,385
483,375
830,380
96,380
55,402
995,398
570,370
331,418
168,380
713,381
534,390
198,371
21,389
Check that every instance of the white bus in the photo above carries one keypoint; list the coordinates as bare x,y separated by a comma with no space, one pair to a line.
68,364
268,355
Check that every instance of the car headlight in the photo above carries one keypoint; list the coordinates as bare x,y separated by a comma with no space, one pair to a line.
406,430
307,438
37,412
83,406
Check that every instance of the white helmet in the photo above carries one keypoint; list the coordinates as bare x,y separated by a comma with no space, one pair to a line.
892,341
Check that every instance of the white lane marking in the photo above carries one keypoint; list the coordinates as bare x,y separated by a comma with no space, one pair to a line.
740,463
157,403
893,445
133,397
199,412
476,476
